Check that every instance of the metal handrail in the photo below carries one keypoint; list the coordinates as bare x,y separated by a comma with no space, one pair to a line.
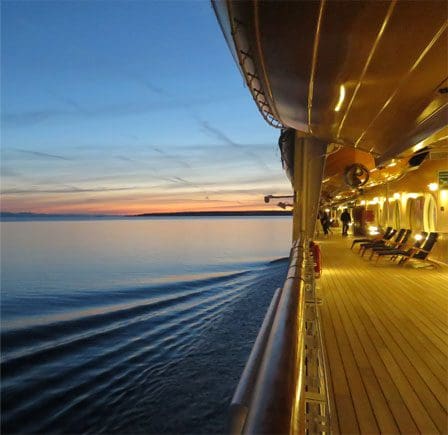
270,395
239,406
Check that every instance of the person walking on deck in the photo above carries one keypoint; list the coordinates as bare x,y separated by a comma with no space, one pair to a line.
346,219
325,222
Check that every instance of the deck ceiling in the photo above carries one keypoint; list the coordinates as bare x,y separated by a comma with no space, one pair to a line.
390,58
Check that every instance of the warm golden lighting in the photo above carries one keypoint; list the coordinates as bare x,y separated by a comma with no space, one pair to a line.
341,98
327,210
373,230
418,237
363,202
392,164
433,187
418,147
412,195
397,195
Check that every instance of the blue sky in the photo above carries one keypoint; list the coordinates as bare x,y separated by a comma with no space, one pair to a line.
127,106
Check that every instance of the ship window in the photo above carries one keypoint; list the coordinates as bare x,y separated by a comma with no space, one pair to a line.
374,210
396,215
416,213
383,214
430,213
409,208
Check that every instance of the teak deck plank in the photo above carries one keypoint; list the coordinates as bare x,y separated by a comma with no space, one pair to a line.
386,341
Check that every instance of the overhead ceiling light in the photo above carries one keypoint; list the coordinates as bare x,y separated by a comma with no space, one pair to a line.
392,164
418,146
341,98
433,187
396,195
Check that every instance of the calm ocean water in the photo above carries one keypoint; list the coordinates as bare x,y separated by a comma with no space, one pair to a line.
132,326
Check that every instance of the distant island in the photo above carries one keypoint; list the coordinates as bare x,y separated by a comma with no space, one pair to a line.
48,216
218,213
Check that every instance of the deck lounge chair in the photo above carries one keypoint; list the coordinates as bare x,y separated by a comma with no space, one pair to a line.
394,253
366,246
421,254
392,245
386,236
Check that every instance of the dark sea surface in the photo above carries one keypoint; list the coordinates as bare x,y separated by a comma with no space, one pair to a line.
132,325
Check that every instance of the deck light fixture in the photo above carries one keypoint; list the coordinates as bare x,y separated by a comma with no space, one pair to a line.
418,237
373,230
397,195
341,98
418,146
392,164
433,187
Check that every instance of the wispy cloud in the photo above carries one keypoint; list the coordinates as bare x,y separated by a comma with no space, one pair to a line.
18,119
8,172
172,157
67,189
224,138
41,154
70,102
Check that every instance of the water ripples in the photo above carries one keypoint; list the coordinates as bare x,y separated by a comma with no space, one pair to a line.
114,367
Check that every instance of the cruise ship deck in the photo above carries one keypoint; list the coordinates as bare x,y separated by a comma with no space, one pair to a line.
385,338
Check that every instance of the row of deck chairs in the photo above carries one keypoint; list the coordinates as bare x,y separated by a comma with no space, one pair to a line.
397,247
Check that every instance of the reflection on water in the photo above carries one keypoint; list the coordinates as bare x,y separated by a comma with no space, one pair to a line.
131,326
60,256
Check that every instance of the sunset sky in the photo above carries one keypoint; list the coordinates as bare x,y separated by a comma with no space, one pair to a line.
127,107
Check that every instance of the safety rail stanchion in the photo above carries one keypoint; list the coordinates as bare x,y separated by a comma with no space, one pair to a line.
283,386
317,403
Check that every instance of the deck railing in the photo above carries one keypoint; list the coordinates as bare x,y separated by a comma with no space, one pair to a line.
278,391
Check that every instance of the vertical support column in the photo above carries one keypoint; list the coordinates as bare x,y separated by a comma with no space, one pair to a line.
309,164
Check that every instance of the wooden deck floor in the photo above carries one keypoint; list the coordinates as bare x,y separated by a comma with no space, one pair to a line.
385,336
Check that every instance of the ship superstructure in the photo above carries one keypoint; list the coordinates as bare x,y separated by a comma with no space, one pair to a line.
359,93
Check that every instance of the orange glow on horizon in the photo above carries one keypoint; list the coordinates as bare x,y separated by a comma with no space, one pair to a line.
118,208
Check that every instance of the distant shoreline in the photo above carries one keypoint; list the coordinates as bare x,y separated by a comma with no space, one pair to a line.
218,213
5,216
